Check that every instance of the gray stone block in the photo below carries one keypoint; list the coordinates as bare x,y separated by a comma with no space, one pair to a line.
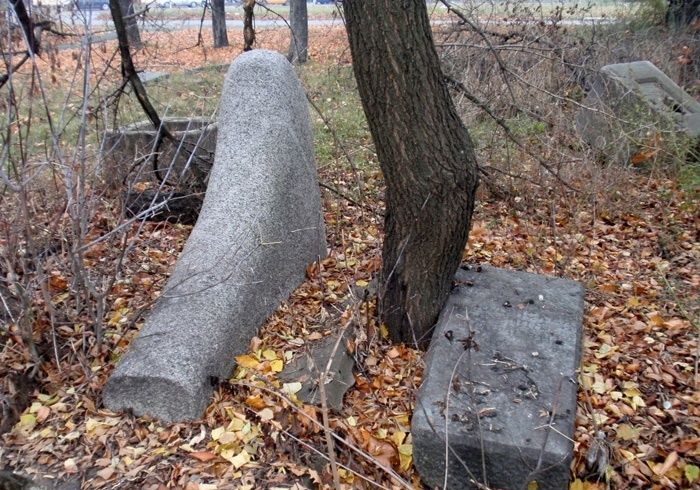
634,107
309,368
153,76
513,341
259,227
126,151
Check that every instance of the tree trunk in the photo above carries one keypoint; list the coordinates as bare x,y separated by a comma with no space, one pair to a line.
218,23
299,21
131,23
682,13
426,156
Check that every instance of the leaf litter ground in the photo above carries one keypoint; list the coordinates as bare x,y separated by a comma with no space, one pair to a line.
638,421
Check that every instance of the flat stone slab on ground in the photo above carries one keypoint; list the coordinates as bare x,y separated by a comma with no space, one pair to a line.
635,106
259,227
309,368
506,348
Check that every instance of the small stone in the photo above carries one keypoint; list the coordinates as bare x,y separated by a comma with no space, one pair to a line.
309,368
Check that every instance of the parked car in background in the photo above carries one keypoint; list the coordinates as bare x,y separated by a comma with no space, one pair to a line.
92,4
273,2
178,3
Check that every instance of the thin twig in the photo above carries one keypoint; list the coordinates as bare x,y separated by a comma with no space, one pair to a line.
350,199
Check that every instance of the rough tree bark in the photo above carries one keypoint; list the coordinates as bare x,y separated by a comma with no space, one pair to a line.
426,156
131,23
218,23
248,30
299,21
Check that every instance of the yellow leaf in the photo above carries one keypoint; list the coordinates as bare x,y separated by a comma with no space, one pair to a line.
632,392
118,317
216,433
236,424
599,387
397,438
692,472
47,432
240,459
604,351
346,475
628,455
576,485
277,366
91,424
532,485
384,331
47,400
352,421
247,361
637,402
269,354
405,456
291,388
361,283
27,421
627,433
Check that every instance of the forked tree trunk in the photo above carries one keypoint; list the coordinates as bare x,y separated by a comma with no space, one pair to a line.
299,22
218,23
426,156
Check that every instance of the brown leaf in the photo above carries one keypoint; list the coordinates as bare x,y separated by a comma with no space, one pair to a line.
383,451
203,456
671,459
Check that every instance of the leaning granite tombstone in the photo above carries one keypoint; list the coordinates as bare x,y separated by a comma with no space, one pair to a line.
259,227
498,398
634,113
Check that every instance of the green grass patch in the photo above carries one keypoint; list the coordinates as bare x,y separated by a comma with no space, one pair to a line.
334,92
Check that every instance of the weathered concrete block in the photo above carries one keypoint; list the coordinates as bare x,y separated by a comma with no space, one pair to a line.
125,152
512,340
259,227
633,109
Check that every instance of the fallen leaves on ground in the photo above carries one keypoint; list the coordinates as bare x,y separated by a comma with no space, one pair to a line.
636,252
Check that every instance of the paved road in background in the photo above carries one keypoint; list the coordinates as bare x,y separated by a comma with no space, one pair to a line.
101,25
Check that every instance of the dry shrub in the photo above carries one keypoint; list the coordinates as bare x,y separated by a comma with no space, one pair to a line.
532,68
